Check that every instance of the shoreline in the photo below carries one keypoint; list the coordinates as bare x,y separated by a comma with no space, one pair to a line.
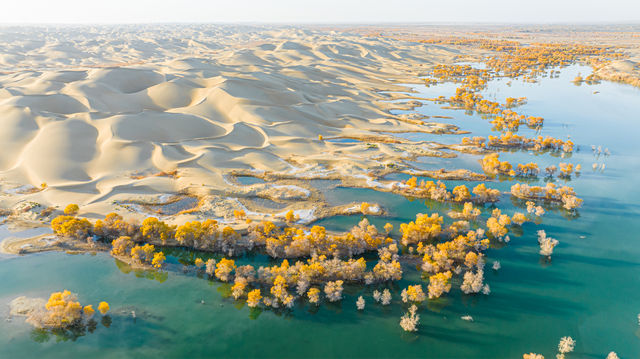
46,243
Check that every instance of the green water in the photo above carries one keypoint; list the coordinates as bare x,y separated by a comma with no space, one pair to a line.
589,291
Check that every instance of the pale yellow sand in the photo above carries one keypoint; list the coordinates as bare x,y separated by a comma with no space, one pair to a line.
94,113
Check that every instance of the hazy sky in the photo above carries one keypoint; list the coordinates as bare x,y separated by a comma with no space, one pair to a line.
317,11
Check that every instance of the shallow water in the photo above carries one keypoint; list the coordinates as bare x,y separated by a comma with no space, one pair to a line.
589,291
246,180
343,140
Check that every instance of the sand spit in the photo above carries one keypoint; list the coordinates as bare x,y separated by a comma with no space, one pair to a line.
49,242
140,113
625,71
23,306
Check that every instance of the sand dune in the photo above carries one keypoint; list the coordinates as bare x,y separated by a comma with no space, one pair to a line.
93,113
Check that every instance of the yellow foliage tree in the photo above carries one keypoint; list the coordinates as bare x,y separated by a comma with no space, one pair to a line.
71,210
290,216
103,307
253,298
88,311
70,226
152,228
364,207
158,259
239,214
114,226
121,246
143,254
439,284
314,295
224,268
424,228
63,310
461,193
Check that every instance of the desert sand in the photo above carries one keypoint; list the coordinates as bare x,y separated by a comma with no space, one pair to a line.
112,117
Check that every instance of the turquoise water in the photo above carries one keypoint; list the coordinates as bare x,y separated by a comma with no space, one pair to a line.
589,291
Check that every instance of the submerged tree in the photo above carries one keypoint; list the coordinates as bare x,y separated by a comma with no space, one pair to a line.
409,321
413,293
439,284
566,345
253,298
224,268
333,290
546,243
314,295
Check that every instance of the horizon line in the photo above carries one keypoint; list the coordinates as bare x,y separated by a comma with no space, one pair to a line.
341,23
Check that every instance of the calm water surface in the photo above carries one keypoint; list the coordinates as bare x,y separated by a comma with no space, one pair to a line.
589,291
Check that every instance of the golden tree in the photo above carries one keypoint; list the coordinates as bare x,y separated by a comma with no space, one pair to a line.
70,226
152,228
71,210
103,307
253,298
158,259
